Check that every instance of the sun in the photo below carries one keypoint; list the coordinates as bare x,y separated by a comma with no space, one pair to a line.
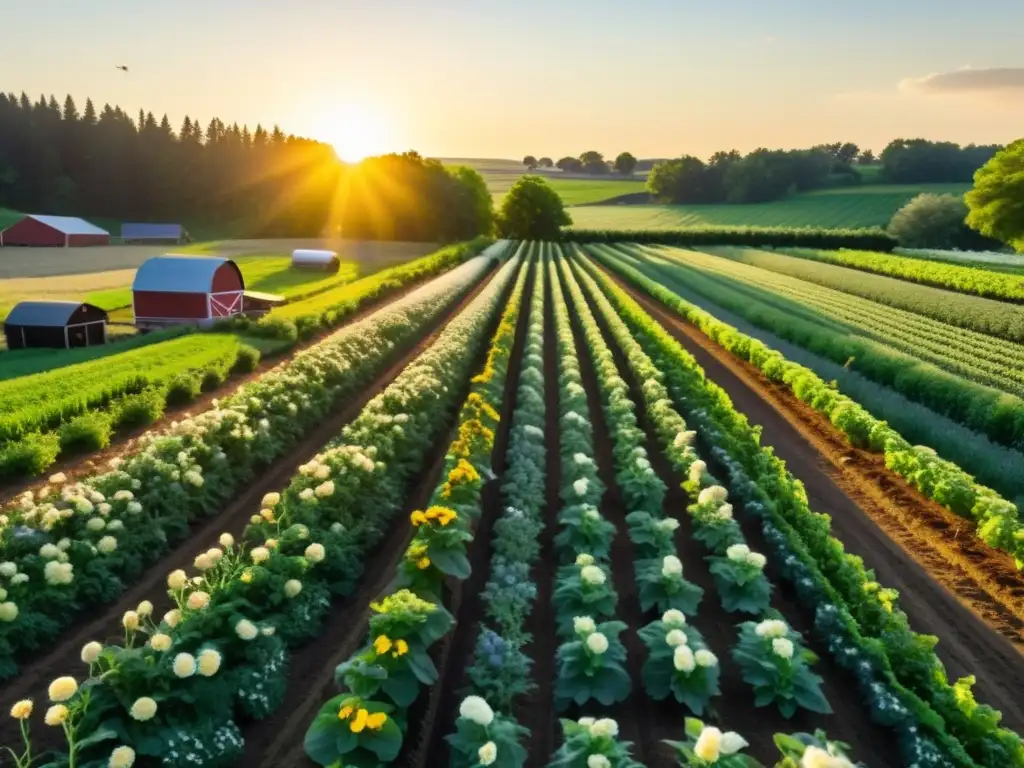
356,133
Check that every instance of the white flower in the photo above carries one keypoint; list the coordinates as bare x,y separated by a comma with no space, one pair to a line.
306,494
591,574
584,559
122,757
732,743
683,659
684,438
270,500
668,524
315,553
56,715
184,665
583,625
62,689
177,580
671,566
215,554
697,470
709,744
134,507
145,608
705,658
203,562
771,628
325,489
675,638
580,486
605,727
143,709
96,524
8,569
21,578
713,494
292,587
130,620
816,757
106,545
598,761
488,753
49,551
160,642
476,709
597,643
172,618
783,646
227,540
58,478
198,600
56,573
586,722
259,554
673,618
582,459
246,630
738,553
724,512
757,559
208,662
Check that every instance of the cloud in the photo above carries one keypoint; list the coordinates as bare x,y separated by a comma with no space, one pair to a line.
968,81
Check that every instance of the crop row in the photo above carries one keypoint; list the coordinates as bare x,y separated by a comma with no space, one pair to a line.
973,280
974,355
177,686
938,724
995,414
997,520
368,721
67,549
78,407
973,313
758,237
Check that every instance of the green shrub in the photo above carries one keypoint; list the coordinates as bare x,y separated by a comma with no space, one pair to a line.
770,237
29,456
141,409
274,327
88,432
247,359
183,388
212,379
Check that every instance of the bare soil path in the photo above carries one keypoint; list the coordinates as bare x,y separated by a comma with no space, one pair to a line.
979,636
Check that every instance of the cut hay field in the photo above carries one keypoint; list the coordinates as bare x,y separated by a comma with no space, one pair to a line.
843,208
536,511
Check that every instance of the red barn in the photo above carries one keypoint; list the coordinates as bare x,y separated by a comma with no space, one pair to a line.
54,232
171,290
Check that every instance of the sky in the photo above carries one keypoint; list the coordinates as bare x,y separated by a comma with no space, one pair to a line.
505,78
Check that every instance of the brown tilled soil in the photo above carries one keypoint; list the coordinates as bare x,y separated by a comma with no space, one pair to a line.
951,585
734,709
124,443
278,741
104,623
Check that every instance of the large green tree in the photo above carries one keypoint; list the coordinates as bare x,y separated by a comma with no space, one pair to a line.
930,221
997,201
532,210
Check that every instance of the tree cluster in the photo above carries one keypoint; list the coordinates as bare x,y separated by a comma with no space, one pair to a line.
591,162
104,164
918,161
937,221
997,201
407,197
532,210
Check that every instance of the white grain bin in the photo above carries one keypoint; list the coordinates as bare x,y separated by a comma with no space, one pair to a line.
326,261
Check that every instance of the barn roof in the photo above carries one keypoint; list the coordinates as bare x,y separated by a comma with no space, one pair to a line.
45,313
179,274
156,231
69,225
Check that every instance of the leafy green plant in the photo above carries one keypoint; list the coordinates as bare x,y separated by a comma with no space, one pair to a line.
586,740
662,587
485,737
583,589
88,432
591,666
679,663
707,746
739,577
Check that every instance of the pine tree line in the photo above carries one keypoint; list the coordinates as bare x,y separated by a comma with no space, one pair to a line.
106,164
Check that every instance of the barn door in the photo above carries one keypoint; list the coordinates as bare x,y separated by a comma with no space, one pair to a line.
225,304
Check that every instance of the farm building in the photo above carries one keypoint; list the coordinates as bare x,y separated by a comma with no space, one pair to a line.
154,233
53,232
326,261
60,324
171,290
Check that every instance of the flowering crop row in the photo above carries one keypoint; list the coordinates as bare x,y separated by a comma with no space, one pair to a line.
998,520
486,732
770,654
368,720
177,686
938,724
68,548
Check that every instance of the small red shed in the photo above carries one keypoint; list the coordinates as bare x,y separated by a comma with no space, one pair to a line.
53,232
171,290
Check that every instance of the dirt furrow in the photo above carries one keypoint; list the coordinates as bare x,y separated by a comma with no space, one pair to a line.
105,623
865,500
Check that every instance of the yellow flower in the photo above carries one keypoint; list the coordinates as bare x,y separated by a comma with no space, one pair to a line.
423,563
357,725
22,710
382,644
56,714
376,721
447,516
401,648
267,515
345,713
246,576
417,518
62,689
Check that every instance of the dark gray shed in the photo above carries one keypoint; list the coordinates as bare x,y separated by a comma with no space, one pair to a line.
59,324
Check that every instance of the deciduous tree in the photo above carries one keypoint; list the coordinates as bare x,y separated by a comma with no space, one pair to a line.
997,201
625,163
532,210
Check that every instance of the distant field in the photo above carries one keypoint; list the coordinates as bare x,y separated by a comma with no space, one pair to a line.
575,189
847,207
